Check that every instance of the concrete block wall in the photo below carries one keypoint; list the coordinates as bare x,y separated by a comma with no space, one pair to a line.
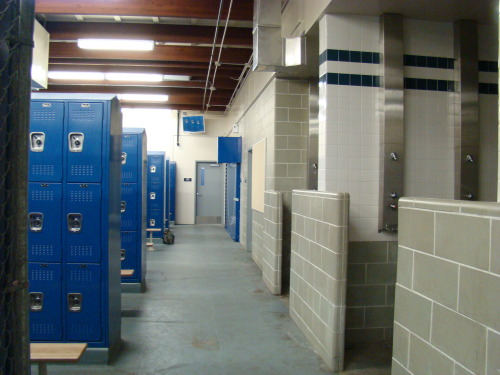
273,241
319,270
447,314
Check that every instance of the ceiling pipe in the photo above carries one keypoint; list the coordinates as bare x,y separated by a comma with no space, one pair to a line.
212,54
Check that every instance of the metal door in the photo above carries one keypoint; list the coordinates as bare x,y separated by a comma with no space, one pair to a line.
130,158
156,168
82,223
129,251
155,197
232,216
46,141
45,296
129,206
84,142
209,193
82,300
44,222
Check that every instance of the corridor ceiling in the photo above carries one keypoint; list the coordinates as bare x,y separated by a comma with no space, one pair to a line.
184,33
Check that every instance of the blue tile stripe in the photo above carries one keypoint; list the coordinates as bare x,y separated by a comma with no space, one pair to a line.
429,62
429,84
349,56
350,80
488,88
488,66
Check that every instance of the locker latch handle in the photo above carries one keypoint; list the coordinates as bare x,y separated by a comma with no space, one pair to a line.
36,301
153,169
123,252
152,195
75,142
124,158
152,222
37,141
123,206
75,222
36,221
75,302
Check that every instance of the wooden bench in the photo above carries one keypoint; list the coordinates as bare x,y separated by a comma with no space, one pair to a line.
127,273
150,245
43,353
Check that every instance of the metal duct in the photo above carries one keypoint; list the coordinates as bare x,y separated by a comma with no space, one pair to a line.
267,44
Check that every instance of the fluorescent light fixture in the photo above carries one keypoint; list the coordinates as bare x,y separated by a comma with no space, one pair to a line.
168,77
143,98
77,76
117,44
136,77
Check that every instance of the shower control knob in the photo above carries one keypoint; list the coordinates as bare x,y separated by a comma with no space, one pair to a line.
394,156
393,206
469,196
394,195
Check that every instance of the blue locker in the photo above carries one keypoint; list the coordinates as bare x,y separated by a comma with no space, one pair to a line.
232,214
45,298
156,197
130,158
84,142
156,167
46,141
83,223
155,219
44,229
129,250
171,187
129,205
83,306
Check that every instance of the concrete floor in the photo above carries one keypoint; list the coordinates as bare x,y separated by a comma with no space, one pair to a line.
206,311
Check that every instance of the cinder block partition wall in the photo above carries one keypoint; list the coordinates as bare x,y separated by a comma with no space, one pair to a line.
318,270
273,239
447,313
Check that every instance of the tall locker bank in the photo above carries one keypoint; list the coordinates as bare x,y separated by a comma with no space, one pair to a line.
74,221
133,208
158,171
171,192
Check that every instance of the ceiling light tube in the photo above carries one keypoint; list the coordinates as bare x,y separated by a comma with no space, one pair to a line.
143,98
136,77
117,44
169,77
77,76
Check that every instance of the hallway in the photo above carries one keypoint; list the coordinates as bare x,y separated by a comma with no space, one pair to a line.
206,311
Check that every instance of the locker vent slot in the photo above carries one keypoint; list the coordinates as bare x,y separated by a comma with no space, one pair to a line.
82,330
45,195
83,251
127,175
126,190
43,115
127,239
42,275
42,169
81,275
82,170
127,223
42,250
128,141
42,328
83,114
81,196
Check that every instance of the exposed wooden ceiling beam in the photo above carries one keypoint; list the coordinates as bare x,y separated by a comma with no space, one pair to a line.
157,32
199,84
160,53
178,107
242,10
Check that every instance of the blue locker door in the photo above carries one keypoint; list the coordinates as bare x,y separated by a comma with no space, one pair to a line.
155,220
46,141
130,158
44,222
129,207
84,142
45,296
82,223
82,301
129,254
155,168
155,197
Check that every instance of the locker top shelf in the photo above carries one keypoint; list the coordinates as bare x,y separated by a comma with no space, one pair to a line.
71,96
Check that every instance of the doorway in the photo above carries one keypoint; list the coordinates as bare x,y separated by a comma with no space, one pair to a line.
209,193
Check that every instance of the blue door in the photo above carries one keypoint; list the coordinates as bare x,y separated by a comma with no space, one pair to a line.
130,158
129,207
129,251
155,220
82,223
84,142
83,302
232,214
156,168
45,296
155,197
44,222
46,141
